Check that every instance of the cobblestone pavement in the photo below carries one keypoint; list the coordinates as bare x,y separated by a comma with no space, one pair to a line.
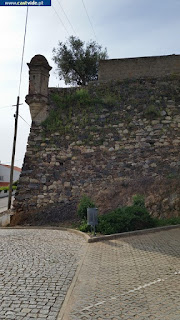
135,278
36,269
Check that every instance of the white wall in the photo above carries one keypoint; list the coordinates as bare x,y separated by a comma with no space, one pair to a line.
5,173
4,219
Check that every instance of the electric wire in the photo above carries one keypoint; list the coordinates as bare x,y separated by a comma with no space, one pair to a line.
89,18
6,107
60,20
66,17
22,58
16,117
10,106
24,120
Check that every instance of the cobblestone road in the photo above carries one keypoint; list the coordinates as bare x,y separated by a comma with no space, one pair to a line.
36,269
129,278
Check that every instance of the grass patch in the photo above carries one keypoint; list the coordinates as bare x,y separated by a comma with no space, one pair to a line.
166,222
76,108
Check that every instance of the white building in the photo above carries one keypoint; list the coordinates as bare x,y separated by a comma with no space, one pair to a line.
5,174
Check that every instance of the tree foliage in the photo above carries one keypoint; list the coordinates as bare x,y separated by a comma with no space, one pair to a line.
76,62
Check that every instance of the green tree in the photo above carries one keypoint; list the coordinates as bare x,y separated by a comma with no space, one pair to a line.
76,62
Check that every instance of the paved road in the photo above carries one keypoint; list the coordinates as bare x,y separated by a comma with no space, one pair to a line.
4,203
36,269
135,278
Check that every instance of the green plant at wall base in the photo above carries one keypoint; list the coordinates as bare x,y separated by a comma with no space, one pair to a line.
138,200
84,203
125,219
166,222
84,227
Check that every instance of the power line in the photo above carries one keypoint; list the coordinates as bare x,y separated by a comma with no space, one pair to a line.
16,119
24,120
13,154
89,18
66,17
6,107
22,58
60,20
13,105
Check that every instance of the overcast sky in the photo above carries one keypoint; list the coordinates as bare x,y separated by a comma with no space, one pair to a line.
128,28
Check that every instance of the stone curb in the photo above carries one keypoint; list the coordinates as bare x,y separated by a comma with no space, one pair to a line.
63,313
82,234
131,233
100,238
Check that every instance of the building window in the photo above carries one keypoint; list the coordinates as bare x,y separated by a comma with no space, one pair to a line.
1,178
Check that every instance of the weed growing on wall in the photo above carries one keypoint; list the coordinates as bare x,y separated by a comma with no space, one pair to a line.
139,200
66,110
78,112
152,112
75,108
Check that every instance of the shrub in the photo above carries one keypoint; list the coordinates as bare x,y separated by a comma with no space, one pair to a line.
6,189
140,217
84,203
125,219
130,218
113,222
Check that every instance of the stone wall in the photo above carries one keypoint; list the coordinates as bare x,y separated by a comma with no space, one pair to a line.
135,68
127,144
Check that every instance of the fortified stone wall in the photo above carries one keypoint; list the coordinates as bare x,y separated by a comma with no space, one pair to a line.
135,68
122,141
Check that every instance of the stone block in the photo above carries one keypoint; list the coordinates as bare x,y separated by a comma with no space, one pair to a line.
67,184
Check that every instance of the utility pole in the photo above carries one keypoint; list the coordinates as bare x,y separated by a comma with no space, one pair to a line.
13,154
